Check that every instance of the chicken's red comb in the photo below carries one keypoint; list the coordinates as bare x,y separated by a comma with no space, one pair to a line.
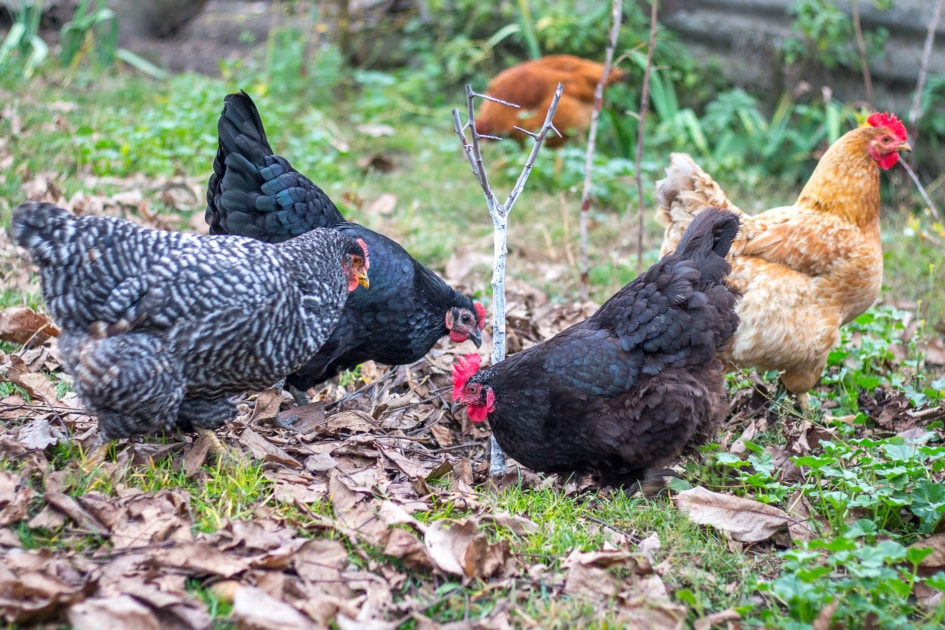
480,315
890,121
463,368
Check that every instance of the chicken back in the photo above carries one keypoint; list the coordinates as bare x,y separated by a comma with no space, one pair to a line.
631,387
408,309
160,328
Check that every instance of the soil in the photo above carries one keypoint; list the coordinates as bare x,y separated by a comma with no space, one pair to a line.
225,30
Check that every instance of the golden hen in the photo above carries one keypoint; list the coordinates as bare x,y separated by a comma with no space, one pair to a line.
531,85
804,270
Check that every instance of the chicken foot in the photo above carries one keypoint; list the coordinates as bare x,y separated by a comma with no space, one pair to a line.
204,416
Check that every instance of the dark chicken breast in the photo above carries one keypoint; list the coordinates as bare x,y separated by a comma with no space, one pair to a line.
631,387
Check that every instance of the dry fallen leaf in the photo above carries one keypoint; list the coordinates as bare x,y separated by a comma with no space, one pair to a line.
265,450
406,546
199,558
716,619
196,455
36,385
21,325
354,421
385,203
320,562
745,520
37,434
653,615
144,518
824,619
267,405
31,594
935,561
930,565
123,611
68,506
461,549
15,496
800,509
254,608
306,417
174,609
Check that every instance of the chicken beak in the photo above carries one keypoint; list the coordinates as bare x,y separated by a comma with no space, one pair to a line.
476,337
455,408
363,279
905,146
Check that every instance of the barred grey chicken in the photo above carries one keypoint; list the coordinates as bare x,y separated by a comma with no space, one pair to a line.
160,328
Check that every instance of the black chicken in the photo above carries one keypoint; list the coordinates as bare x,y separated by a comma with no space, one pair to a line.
160,328
631,387
255,193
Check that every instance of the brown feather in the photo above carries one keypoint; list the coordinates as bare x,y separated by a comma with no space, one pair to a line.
804,270
531,86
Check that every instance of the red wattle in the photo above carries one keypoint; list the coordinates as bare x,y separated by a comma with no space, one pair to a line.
888,161
477,413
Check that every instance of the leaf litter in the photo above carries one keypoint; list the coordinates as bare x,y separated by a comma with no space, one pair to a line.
336,536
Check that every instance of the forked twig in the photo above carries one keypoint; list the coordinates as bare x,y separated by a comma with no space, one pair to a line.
615,8
499,213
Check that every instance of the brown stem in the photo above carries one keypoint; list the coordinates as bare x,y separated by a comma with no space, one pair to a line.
924,67
861,48
615,8
641,127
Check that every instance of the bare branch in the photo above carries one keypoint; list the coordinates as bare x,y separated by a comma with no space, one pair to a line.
533,135
499,213
641,128
615,8
918,184
533,155
924,66
486,97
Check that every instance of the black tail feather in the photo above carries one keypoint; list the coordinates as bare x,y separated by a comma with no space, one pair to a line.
712,230
241,130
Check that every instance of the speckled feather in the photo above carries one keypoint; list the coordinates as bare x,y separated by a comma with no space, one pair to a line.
635,384
255,193
804,270
159,327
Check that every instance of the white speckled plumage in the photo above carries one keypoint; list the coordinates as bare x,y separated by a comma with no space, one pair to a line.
160,328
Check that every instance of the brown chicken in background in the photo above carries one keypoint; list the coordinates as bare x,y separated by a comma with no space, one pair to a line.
531,85
804,270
